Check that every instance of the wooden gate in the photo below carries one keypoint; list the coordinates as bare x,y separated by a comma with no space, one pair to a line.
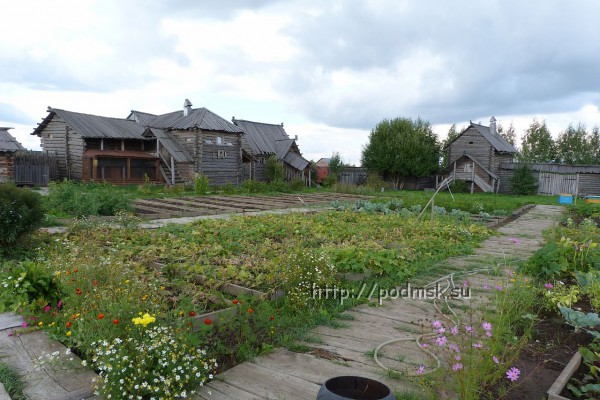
552,183
34,168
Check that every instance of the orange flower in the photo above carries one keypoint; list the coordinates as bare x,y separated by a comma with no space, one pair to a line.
78,291
250,310
115,321
100,316
272,317
208,321
95,283
192,314
236,301
68,324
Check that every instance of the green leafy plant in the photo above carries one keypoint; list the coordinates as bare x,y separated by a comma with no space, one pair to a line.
523,182
201,185
588,387
578,319
13,382
21,212
85,199
273,169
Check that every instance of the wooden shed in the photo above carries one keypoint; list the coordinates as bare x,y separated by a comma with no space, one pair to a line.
475,156
262,140
8,147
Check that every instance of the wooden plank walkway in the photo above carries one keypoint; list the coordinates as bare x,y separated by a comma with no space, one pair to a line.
348,350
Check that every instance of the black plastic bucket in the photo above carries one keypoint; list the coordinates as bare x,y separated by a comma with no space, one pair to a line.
354,388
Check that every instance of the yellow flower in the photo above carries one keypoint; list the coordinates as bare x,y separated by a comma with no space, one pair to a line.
144,320
127,281
52,323
40,323
69,333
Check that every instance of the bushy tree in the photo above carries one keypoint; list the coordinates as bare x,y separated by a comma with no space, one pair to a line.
21,212
453,133
273,169
336,165
537,145
574,146
509,135
401,147
523,182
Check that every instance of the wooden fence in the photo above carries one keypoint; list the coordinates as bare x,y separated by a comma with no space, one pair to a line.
34,168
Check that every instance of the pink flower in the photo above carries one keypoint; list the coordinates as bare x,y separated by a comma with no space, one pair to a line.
499,288
477,345
486,326
454,330
513,374
466,283
486,286
441,341
488,334
421,369
453,347
457,357
59,304
424,345
457,367
469,329
24,325
47,308
495,359
515,240
441,330
549,286
437,324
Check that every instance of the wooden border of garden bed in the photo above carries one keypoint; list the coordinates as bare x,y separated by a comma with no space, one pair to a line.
225,287
561,382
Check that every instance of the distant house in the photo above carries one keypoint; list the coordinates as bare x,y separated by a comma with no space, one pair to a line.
261,141
8,147
172,147
476,154
322,169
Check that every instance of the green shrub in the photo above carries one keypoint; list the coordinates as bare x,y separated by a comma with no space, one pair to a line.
273,169
279,186
460,186
252,186
375,182
330,180
82,199
21,212
201,184
523,182
297,184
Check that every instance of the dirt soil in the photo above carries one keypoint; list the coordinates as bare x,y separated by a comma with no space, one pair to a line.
543,359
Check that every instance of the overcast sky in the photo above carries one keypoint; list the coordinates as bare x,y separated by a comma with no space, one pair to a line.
330,70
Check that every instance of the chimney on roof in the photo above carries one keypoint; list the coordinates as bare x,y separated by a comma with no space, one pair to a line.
187,107
296,138
493,125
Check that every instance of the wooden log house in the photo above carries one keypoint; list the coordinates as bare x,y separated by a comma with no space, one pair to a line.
172,148
261,141
8,148
475,156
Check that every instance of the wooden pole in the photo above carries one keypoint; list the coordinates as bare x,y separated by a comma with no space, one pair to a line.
473,178
172,171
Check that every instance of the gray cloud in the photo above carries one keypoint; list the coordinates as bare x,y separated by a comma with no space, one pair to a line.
12,114
509,57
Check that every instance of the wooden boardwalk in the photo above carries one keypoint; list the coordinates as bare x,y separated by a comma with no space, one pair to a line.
348,350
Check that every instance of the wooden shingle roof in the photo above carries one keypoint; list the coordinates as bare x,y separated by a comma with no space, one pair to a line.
8,143
201,118
95,126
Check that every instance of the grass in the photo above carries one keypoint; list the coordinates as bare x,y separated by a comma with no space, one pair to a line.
13,382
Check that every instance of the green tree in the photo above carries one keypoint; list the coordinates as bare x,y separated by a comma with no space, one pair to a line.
574,146
537,145
336,164
402,147
273,169
509,135
595,145
453,133
523,182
